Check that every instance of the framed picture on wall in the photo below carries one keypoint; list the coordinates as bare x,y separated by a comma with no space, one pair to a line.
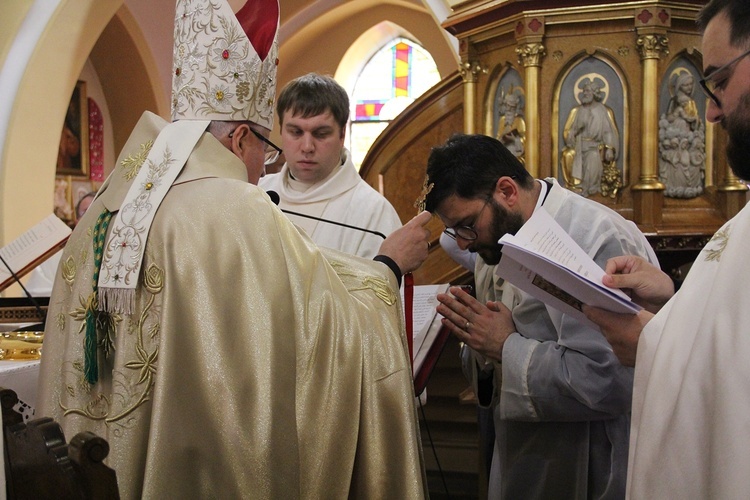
64,198
73,153
79,189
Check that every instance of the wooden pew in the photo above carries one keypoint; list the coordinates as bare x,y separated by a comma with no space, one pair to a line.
39,464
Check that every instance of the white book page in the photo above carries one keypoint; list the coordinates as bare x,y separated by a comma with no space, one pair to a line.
32,245
426,321
545,262
541,235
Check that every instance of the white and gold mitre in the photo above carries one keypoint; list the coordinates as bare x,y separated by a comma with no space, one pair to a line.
225,64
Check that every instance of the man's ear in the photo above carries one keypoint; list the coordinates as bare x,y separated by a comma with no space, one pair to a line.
238,144
507,189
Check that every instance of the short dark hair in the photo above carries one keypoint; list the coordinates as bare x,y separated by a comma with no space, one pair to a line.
90,194
738,13
312,95
469,166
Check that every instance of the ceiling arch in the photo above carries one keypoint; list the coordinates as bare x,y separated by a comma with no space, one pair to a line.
63,43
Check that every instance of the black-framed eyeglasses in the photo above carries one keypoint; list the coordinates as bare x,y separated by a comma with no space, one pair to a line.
272,151
718,78
467,233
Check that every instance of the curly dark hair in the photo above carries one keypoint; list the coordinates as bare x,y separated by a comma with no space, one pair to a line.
469,166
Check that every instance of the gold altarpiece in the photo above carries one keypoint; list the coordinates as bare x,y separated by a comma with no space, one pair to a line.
602,96
669,176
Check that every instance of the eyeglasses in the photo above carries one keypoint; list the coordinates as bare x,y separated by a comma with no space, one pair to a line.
272,151
718,78
467,233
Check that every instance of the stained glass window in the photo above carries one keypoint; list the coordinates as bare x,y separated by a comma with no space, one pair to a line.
391,80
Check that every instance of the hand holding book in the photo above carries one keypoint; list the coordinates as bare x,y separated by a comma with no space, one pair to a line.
544,261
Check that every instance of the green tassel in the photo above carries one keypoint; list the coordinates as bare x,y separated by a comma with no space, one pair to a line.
90,361
90,366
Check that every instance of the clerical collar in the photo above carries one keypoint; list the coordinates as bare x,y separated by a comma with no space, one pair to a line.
546,188
302,187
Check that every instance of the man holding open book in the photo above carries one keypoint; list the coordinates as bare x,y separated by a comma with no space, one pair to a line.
561,399
691,399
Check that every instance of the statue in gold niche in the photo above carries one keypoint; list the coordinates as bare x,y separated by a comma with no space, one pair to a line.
511,127
682,140
591,142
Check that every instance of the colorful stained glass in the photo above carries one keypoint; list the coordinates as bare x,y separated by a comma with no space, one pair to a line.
401,68
368,110
391,80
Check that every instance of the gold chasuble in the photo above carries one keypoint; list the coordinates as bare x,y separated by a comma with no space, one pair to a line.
253,365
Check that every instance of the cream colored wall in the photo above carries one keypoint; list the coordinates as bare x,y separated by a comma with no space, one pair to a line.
12,13
130,74
29,155
121,76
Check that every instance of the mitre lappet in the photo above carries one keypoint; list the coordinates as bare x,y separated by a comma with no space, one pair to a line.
224,68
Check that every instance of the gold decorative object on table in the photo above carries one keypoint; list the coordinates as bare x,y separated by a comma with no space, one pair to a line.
21,346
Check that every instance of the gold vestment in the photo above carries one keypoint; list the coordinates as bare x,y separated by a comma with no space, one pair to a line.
253,366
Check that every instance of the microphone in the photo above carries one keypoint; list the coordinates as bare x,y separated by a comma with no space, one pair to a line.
276,198
33,301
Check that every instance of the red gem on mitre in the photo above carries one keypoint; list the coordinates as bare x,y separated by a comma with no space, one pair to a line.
259,20
225,54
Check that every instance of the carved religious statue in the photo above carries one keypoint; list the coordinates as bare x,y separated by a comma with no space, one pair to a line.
591,143
682,140
511,127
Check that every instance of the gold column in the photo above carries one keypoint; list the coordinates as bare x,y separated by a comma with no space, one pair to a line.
650,46
732,182
530,53
469,71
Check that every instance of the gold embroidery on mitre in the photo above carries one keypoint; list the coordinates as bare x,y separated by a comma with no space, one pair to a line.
422,200
132,163
217,74
354,281
720,239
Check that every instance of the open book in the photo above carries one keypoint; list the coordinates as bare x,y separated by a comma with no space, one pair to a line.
543,260
32,248
429,335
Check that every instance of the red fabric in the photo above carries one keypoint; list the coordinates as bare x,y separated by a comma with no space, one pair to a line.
96,142
259,20
430,361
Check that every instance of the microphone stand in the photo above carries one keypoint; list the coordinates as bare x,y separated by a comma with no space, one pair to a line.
333,222
275,199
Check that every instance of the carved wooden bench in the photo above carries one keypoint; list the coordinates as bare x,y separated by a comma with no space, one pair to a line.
39,464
